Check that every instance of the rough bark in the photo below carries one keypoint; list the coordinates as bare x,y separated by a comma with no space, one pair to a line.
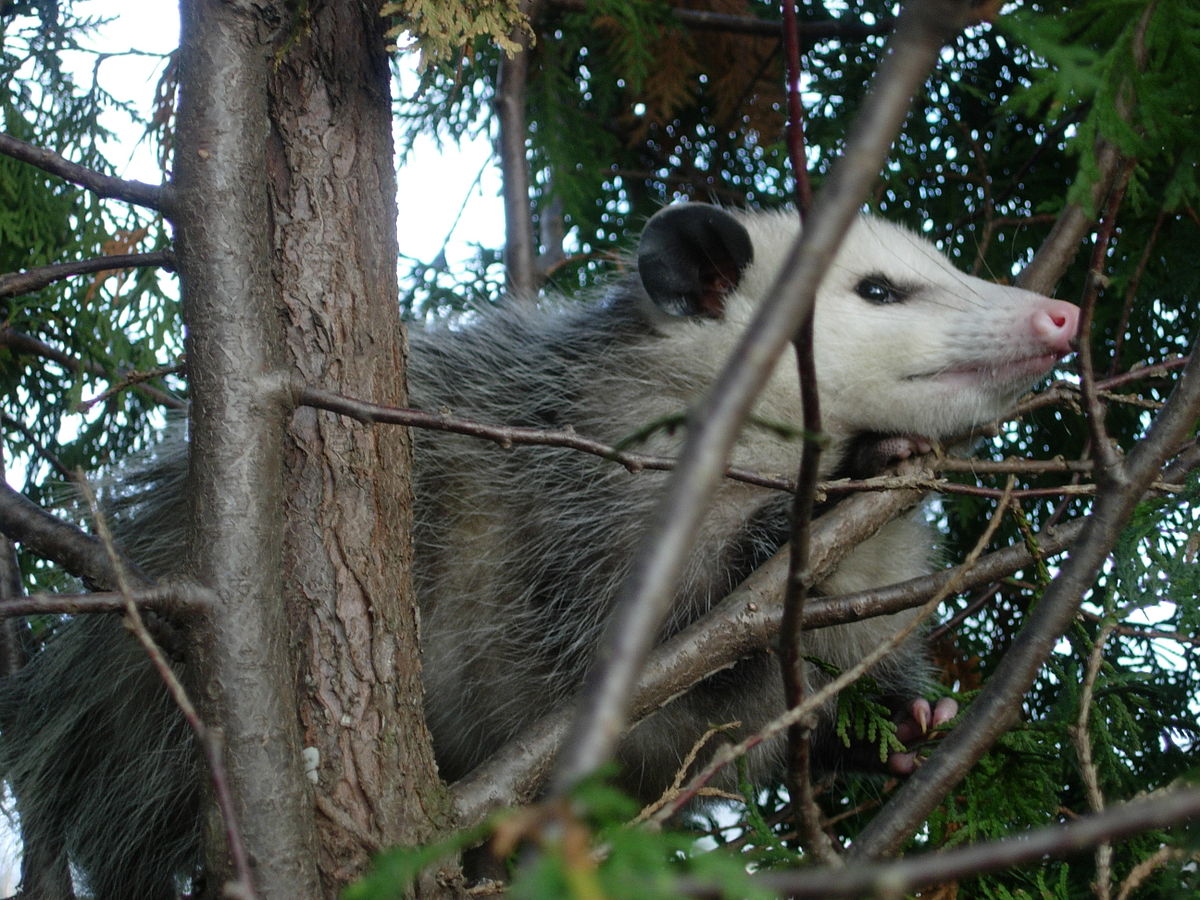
349,595
287,254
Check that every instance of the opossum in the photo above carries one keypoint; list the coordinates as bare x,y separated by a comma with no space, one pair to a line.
520,553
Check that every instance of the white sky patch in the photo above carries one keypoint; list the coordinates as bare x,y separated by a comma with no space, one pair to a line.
448,194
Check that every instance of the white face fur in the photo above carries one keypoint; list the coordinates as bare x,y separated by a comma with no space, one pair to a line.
905,343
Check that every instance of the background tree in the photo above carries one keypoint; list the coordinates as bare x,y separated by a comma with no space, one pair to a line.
1062,122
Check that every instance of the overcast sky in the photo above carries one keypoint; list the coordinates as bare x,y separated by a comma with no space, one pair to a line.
435,182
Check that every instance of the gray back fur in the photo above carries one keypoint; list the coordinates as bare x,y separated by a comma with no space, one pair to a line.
520,553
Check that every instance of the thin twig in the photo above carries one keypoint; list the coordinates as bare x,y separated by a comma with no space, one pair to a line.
209,739
509,435
792,665
43,452
1087,765
176,599
813,702
23,343
1131,290
896,878
1094,410
131,378
1146,867
795,123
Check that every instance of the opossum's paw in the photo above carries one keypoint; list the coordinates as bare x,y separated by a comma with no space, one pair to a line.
872,453
920,719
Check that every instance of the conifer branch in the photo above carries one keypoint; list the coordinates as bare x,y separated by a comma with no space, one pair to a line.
999,703
23,343
901,877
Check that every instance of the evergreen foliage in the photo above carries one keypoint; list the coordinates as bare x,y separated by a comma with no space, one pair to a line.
111,324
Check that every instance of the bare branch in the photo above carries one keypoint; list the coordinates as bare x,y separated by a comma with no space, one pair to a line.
40,450
209,740
728,753
747,621
810,31
923,28
1101,446
51,538
791,635
136,192
1143,870
508,435
132,379
903,876
1082,740
172,598
12,653
730,631
30,280
795,124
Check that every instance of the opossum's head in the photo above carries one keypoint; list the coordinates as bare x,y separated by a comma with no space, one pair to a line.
904,342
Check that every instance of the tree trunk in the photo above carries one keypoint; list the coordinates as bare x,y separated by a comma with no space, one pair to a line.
349,591
286,221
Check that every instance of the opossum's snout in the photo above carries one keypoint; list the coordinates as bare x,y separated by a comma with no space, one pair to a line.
1054,324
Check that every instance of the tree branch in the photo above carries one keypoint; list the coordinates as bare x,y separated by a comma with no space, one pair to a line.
170,599
508,435
810,31
520,251
23,343
729,632
791,634
746,622
29,280
923,28
135,192
901,877
1101,447
51,538
208,739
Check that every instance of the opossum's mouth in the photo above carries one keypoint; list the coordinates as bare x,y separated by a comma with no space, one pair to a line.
1027,369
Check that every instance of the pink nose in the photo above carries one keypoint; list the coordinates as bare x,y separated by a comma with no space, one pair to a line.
1054,323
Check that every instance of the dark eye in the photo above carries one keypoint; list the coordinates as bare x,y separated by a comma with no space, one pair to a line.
877,289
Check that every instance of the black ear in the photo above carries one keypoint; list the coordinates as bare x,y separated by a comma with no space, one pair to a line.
691,256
